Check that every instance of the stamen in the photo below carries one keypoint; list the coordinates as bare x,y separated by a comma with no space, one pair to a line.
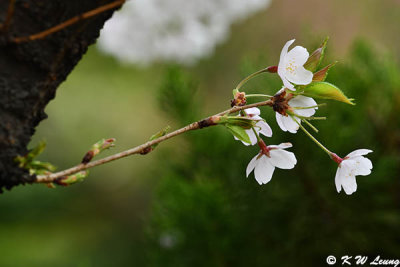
291,66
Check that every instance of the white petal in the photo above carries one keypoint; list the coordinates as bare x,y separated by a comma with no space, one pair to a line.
263,170
282,145
289,123
299,76
265,129
252,112
286,83
298,55
363,166
284,53
338,180
280,91
282,159
349,184
347,176
303,101
348,167
280,122
251,165
252,136
358,152
305,112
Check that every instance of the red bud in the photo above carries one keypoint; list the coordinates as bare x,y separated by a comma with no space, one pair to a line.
272,69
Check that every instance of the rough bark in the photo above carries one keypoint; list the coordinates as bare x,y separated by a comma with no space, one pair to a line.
30,72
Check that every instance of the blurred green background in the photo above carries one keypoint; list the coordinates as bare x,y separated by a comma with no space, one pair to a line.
188,203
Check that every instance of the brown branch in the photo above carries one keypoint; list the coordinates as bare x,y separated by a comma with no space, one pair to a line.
10,13
69,22
139,149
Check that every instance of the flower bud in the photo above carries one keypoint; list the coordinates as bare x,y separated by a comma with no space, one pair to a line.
272,69
316,57
239,100
97,148
320,75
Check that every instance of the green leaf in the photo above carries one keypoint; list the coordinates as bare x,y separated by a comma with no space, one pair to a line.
326,90
243,122
316,57
238,132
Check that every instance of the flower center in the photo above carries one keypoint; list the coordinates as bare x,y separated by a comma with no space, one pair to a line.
291,66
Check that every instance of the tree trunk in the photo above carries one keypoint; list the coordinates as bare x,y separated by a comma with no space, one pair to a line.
31,71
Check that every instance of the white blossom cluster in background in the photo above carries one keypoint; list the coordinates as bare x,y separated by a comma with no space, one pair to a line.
182,31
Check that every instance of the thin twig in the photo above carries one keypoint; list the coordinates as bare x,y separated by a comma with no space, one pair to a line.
136,150
69,22
10,13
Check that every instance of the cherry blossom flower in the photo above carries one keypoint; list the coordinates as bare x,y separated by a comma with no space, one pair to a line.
349,167
290,67
261,126
299,106
270,157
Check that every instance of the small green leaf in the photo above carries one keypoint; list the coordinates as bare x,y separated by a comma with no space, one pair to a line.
326,90
21,161
316,57
36,151
73,178
40,167
29,163
158,135
238,132
321,75
103,144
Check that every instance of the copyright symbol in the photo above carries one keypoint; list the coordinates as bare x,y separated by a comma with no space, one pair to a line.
331,260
